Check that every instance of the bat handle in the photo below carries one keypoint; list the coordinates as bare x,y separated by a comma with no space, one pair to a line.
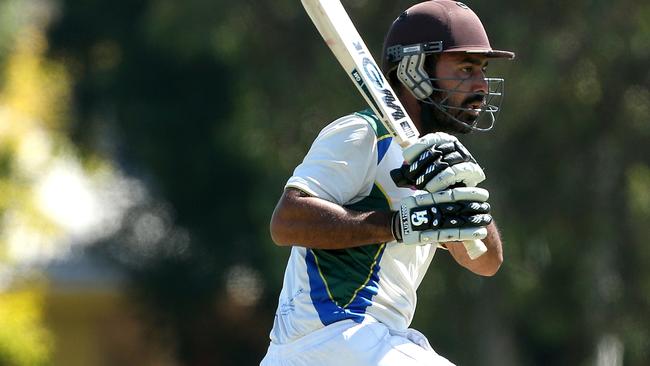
475,248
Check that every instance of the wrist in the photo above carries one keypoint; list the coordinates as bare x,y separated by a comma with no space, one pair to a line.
395,227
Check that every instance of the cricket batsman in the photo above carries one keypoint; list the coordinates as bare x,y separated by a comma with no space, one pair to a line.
364,218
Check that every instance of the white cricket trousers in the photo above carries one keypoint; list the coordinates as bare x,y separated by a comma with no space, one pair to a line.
348,343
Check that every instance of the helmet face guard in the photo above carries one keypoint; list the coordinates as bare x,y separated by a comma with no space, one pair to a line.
410,71
485,115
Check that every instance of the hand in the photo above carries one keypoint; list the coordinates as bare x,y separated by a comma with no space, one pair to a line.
436,162
456,214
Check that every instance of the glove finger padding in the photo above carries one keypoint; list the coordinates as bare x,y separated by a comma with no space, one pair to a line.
468,173
431,139
458,194
454,214
428,163
459,234
447,162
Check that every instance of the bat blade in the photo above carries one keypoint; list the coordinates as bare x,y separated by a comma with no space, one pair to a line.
341,36
339,33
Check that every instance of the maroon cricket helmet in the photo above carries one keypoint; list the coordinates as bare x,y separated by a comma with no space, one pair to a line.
439,26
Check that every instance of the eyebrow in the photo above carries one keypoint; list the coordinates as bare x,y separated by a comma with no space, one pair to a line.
474,61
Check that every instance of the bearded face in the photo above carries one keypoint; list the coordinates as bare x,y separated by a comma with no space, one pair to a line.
459,98
443,115
463,99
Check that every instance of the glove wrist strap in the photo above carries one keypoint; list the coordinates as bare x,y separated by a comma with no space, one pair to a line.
395,227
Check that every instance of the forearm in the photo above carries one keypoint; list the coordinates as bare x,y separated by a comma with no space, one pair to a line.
312,222
486,265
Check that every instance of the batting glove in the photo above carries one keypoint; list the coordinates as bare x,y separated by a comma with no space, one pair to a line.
456,214
436,162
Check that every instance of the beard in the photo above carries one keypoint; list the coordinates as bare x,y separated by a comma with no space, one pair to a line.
451,120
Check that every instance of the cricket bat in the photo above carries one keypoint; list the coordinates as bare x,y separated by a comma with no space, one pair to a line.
340,34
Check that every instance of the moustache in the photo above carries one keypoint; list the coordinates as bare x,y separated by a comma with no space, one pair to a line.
472,99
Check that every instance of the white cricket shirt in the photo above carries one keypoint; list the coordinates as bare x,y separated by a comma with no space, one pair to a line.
349,163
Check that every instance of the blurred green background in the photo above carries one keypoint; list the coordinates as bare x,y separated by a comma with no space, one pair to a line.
144,144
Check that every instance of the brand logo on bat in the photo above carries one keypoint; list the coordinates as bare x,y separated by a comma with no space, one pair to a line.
407,129
373,73
389,100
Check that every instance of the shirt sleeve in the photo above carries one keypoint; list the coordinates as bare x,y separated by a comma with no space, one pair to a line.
341,163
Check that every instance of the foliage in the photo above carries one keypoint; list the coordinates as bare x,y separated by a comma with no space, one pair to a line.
34,106
23,339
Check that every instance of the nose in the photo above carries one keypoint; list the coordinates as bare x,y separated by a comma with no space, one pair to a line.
479,83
